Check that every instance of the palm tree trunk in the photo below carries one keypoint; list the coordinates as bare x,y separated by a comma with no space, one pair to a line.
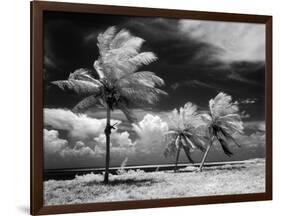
205,155
177,159
107,132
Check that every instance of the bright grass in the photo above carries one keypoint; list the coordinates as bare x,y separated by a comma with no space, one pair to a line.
140,185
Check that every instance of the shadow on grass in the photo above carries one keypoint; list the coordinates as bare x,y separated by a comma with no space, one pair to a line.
209,169
227,168
117,182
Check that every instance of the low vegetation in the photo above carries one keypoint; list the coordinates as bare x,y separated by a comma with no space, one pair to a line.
140,185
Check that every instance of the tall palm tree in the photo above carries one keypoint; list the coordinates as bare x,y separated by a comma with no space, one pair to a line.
184,132
118,86
222,122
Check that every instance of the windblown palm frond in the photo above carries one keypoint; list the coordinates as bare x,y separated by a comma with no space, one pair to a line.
186,118
127,112
144,58
187,153
223,142
222,105
175,144
104,40
84,74
222,123
141,94
120,54
86,103
80,87
183,134
124,39
187,142
224,113
146,78
171,149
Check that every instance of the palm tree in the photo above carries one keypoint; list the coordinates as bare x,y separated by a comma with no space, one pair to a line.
118,86
184,132
222,122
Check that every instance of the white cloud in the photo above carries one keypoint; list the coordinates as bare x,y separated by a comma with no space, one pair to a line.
60,148
52,143
78,151
261,126
237,41
255,125
150,131
87,133
256,137
120,142
254,140
80,126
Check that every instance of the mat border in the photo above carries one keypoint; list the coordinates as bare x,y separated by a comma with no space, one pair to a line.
36,188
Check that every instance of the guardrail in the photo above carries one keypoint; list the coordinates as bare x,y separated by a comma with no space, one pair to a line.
59,174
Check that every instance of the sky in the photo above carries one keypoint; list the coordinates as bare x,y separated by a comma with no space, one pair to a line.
196,59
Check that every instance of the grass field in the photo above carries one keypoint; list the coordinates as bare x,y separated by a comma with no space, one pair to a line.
138,185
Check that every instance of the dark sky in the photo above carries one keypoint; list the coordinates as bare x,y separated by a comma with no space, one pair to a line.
197,60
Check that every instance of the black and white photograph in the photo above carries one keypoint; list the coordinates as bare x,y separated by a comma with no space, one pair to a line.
146,108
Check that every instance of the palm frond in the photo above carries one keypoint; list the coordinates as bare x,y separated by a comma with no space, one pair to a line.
144,58
187,153
196,141
222,105
80,87
170,136
104,39
133,42
125,61
231,117
178,142
229,137
186,118
224,144
171,149
143,77
206,118
86,103
119,55
84,74
141,94
199,141
232,127
187,141
115,65
120,38
127,112
99,69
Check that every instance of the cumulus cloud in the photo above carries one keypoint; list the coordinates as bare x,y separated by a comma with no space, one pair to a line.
234,41
150,131
85,136
55,146
255,126
120,142
78,151
255,135
79,126
254,140
52,143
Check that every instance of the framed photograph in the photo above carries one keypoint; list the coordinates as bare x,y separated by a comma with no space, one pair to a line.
141,108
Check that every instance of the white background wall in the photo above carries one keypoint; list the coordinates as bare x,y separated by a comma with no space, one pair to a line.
14,108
